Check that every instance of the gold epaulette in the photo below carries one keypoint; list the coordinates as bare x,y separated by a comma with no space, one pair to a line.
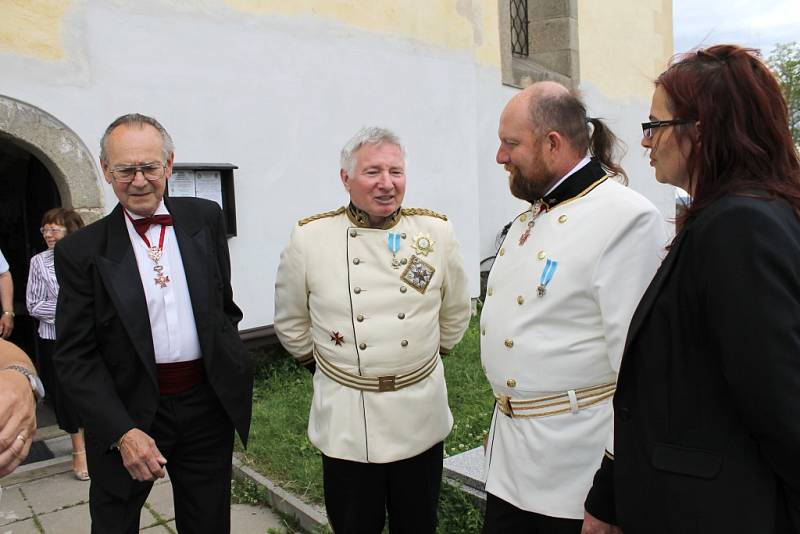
423,211
319,216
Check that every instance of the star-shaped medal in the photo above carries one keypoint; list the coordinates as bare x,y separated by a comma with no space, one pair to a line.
337,338
423,244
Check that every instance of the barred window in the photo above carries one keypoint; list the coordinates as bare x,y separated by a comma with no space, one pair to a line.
519,27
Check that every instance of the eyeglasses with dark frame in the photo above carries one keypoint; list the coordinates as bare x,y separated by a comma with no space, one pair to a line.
648,127
152,172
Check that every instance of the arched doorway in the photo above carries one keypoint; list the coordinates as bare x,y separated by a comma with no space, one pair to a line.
26,191
43,164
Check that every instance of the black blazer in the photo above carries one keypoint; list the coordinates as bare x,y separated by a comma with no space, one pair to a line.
707,418
104,351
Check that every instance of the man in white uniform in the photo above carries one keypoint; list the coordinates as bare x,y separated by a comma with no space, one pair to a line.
368,297
560,297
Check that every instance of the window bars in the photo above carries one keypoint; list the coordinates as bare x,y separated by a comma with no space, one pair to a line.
519,27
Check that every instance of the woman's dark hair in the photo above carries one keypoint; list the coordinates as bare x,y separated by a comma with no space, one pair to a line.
69,219
743,142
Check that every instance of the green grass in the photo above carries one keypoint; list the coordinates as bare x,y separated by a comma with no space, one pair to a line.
279,446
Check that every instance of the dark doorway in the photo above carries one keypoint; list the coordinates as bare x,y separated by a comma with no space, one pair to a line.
27,190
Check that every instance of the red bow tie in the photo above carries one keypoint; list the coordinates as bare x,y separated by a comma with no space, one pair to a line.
142,225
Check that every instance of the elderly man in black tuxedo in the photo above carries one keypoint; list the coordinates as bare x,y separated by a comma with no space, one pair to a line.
147,346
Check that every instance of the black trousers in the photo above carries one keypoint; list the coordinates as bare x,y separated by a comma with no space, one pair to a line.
195,435
66,416
503,517
358,495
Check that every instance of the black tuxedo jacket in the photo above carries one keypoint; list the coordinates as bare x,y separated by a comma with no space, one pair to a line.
707,418
104,350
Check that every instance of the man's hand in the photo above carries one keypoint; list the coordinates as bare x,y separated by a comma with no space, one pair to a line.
141,457
17,419
6,325
592,525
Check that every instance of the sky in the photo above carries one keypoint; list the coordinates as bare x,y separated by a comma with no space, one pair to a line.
753,23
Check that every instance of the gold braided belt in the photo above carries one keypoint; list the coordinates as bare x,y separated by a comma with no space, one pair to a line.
569,401
377,383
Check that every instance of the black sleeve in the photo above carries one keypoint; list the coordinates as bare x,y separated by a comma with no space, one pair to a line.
600,500
232,311
81,370
751,269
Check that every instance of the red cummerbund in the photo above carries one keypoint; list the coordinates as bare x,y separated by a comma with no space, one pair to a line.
179,377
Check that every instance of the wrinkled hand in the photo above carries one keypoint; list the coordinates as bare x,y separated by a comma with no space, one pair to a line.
141,457
592,525
17,419
6,325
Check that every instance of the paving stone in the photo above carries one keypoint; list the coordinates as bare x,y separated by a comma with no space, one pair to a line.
13,507
56,492
158,529
23,527
466,467
146,519
255,519
160,500
74,519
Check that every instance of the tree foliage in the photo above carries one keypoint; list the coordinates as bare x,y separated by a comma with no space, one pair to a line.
785,64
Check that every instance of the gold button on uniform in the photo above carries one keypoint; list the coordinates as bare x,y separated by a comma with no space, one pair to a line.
353,233
520,300
403,261
360,318
362,346
356,261
509,343
356,290
403,235
542,255
511,383
404,343
403,289
489,291
502,252
562,219
401,315
523,218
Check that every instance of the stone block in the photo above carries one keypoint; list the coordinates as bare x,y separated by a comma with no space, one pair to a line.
24,527
73,519
466,467
247,518
161,501
56,492
552,34
13,507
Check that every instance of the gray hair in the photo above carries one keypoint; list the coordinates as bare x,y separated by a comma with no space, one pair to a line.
371,135
167,146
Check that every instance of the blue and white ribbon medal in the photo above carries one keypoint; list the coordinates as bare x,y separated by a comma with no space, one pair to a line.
394,247
547,275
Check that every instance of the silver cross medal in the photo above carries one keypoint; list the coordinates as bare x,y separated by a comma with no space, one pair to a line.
161,280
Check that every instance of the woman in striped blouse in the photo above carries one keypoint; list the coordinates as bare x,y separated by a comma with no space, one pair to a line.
41,296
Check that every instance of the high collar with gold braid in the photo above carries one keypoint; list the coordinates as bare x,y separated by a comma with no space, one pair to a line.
360,218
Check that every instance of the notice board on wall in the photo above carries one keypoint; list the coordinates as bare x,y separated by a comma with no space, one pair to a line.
212,181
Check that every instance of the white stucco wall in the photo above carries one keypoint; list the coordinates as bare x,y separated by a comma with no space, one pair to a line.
277,96
278,92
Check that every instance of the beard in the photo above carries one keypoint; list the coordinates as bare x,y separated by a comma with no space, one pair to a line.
529,188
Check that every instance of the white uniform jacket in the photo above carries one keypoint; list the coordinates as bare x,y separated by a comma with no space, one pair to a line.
607,242
339,297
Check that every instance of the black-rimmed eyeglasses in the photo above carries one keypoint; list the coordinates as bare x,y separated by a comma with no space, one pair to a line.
649,127
152,172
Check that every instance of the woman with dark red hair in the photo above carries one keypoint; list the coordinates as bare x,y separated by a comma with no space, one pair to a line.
707,417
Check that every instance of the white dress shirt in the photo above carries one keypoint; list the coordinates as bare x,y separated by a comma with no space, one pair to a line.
170,308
